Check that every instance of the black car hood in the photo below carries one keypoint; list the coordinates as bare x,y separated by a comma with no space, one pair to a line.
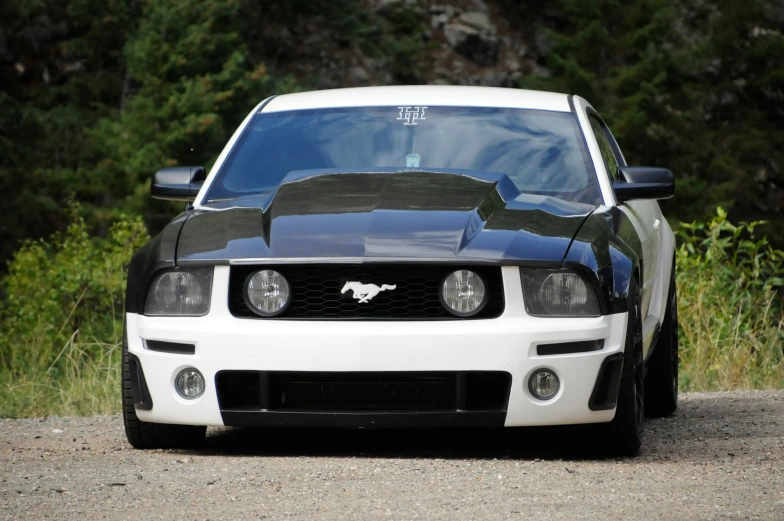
384,215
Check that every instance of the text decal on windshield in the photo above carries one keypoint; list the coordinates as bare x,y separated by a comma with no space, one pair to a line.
410,115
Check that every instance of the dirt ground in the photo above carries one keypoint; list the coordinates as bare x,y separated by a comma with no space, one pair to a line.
721,456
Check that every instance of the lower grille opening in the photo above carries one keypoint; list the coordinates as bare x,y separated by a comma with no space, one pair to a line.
349,391
363,391
487,391
239,390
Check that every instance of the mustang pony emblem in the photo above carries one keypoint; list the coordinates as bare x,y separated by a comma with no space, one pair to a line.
365,292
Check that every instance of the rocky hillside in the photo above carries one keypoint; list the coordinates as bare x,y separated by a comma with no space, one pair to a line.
465,42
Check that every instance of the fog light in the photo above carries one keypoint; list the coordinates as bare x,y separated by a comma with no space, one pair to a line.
544,384
189,383
267,293
463,293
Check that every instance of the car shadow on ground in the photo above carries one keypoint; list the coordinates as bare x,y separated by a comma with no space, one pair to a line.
705,427
574,442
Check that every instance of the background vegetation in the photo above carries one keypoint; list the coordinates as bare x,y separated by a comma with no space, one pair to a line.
95,95
729,303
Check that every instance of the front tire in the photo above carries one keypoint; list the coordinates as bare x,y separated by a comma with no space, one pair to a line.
146,435
661,382
623,435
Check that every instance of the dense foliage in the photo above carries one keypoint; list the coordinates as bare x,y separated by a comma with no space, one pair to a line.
731,320
61,323
695,86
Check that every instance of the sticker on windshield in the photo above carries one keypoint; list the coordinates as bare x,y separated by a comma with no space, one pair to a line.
412,160
410,115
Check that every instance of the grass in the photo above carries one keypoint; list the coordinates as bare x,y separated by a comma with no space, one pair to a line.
60,343
729,304
86,385
729,348
61,322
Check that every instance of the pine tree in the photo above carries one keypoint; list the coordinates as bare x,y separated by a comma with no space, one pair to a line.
190,81
696,87
60,73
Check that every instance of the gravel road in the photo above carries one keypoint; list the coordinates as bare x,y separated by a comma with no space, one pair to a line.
720,457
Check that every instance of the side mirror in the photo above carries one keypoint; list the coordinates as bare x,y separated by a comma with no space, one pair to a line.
644,182
179,183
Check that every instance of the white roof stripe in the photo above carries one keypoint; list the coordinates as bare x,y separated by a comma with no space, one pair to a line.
421,95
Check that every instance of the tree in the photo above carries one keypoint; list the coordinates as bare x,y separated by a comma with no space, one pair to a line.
190,82
693,86
59,74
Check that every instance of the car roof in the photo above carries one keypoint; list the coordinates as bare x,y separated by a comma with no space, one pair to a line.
421,95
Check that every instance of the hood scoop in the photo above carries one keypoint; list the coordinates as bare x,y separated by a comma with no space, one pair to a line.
309,192
408,214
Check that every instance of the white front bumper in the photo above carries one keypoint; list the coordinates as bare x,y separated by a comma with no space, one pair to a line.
507,343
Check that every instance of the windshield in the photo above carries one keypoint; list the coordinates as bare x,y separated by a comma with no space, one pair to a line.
542,152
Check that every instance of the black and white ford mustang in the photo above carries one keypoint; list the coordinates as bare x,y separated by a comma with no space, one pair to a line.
406,256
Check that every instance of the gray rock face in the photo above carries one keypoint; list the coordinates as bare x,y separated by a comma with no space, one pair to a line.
479,46
437,21
481,5
384,7
358,75
448,10
477,20
456,34
493,78
445,75
542,72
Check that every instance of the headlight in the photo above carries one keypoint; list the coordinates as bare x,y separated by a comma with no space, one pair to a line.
557,293
267,293
181,292
463,293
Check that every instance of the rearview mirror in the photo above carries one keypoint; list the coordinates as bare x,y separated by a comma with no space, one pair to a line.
644,182
180,183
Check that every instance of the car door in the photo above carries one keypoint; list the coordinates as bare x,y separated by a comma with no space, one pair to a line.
645,216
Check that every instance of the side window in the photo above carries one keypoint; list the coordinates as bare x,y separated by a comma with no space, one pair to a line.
610,161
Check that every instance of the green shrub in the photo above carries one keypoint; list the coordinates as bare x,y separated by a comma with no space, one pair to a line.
62,321
730,312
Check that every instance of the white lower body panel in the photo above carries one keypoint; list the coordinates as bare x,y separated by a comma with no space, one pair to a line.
507,343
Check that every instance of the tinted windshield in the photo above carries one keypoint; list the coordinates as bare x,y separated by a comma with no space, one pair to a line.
541,152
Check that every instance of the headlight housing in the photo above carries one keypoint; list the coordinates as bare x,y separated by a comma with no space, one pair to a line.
463,293
558,293
267,293
182,292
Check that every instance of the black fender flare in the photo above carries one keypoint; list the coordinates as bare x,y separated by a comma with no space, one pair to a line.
158,254
608,245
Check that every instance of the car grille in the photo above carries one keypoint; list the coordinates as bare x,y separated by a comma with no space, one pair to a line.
316,292
362,391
